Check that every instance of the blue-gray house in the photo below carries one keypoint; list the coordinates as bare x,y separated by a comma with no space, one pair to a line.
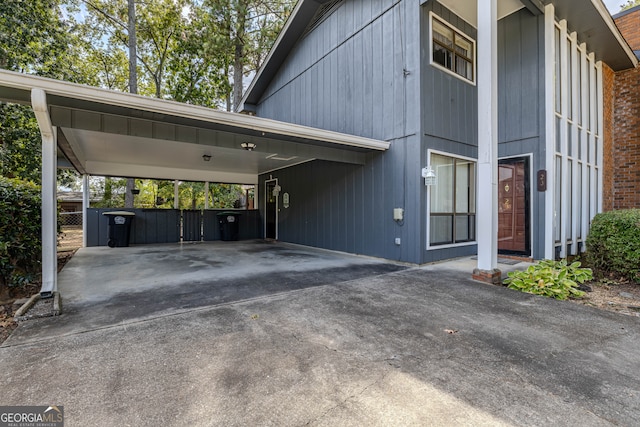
419,74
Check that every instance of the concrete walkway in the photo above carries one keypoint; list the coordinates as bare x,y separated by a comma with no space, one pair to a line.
394,346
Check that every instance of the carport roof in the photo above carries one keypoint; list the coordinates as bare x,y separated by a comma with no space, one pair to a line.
103,132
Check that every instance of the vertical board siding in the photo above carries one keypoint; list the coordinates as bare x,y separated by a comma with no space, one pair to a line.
352,67
520,103
449,104
152,226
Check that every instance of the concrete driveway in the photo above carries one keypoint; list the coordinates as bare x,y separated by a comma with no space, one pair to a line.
374,349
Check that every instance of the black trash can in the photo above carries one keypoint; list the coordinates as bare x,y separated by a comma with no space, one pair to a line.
119,228
229,225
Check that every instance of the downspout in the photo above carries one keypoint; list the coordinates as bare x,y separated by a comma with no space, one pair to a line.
49,203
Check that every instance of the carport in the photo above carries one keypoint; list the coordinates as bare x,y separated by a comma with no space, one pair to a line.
103,132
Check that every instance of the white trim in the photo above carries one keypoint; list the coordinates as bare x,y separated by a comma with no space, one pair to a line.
266,198
177,109
429,247
453,28
549,102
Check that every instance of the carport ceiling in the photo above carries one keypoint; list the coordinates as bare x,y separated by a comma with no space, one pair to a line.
104,132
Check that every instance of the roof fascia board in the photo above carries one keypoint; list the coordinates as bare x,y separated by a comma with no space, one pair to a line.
536,7
172,108
302,11
608,19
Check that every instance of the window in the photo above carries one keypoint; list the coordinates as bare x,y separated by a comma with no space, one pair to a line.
452,50
453,201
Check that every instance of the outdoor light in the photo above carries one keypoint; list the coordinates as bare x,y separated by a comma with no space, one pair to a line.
249,146
206,157
429,176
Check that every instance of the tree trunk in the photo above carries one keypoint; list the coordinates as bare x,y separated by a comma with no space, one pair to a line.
133,85
238,56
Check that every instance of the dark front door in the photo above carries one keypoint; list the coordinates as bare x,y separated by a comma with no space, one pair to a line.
513,206
271,210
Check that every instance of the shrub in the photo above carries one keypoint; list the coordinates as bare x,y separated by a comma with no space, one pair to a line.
20,232
555,279
613,244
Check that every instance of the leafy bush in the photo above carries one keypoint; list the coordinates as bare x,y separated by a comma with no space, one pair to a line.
613,244
20,232
555,279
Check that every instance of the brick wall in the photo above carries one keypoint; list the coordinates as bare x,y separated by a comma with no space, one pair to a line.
629,24
626,142
621,186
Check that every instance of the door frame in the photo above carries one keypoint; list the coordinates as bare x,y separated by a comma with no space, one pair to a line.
528,158
277,206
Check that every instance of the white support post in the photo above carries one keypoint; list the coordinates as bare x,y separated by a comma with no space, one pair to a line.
487,137
601,134
592,140
49,187
206,195
585,112
176,194
85,205
575,99
550,137
564,143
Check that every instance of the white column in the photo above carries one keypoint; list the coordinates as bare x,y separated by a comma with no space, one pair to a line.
564,134
85,205
600,119
575,99
592,140
206,195
487,134
585,112
49,187
550,137
176,194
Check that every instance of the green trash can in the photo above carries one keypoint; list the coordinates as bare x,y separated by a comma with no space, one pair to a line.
119,228
229,225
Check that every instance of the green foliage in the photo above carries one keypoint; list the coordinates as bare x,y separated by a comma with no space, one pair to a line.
554,279
629,4
613,244
20,143
20,231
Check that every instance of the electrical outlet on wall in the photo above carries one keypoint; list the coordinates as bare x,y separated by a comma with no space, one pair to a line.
398,241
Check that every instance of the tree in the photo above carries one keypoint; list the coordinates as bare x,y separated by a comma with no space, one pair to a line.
238,34
630,4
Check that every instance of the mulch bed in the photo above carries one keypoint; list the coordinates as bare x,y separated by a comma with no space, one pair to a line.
18,296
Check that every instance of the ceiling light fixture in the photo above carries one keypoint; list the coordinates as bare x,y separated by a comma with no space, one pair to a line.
249,146
206,157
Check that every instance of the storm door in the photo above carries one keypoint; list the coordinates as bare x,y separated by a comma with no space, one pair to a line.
271,210
514,207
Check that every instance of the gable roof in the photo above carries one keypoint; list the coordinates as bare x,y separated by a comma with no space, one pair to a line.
589,18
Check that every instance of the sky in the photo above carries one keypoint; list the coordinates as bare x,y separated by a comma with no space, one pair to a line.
614,5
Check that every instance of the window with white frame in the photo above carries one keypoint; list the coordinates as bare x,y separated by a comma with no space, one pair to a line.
452,50
453,201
